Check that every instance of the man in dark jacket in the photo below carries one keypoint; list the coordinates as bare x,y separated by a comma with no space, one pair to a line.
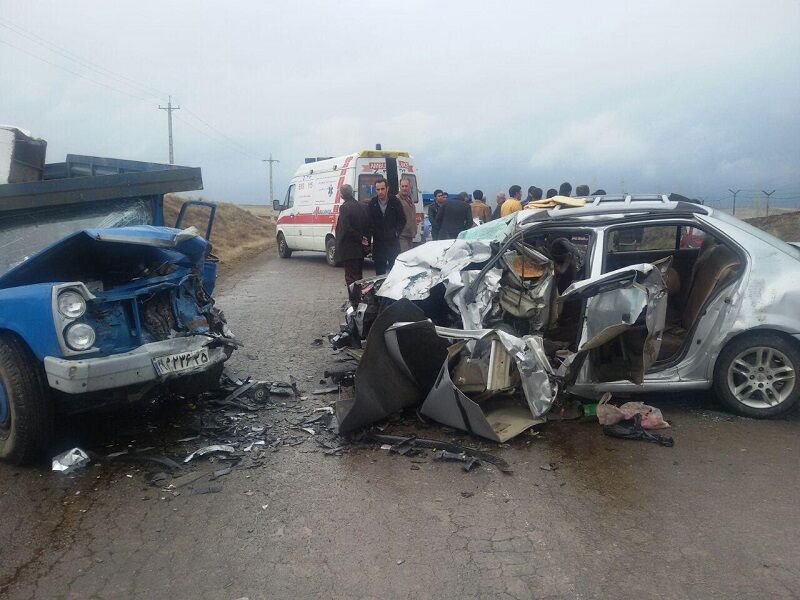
453,217
352,236
387,222
438,197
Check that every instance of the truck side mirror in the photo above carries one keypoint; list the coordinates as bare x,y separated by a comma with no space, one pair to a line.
276,205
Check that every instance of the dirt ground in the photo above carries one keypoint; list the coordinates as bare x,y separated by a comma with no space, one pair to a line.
714,517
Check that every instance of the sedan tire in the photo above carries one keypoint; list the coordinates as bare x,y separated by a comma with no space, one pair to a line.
26,421
758,375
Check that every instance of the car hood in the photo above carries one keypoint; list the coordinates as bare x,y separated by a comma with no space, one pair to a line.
91,253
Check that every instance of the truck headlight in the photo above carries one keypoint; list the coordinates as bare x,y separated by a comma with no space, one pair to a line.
71,304
79,336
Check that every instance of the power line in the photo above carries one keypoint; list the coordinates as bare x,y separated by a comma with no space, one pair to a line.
242,148
63,68
69,55
233,147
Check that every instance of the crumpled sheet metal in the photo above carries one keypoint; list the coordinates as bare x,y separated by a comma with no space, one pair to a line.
68,461
612,312
473,313
418,270
495,419
498,419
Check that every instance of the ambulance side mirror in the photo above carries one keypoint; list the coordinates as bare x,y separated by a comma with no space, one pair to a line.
276,205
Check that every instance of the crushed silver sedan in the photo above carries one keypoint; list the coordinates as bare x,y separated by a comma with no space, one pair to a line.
627,294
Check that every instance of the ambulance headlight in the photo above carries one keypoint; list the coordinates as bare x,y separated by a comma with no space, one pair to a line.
71,304
79,336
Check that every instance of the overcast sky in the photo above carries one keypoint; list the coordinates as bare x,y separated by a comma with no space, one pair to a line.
694,97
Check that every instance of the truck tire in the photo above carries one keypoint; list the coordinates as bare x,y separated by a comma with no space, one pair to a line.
283,248
330,252
758,375
26,421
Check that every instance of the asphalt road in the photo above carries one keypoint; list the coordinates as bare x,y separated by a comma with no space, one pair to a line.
717,516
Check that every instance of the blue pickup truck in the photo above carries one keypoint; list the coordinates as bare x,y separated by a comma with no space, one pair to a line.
100,302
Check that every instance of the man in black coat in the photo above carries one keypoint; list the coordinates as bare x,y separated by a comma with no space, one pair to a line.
438,197
387,220
453,217
352,236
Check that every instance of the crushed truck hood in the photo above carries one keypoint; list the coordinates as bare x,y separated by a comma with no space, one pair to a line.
91,252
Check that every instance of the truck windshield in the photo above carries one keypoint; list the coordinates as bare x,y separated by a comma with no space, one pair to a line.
24,233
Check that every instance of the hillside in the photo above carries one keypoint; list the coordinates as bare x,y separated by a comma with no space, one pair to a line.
237,233
785,226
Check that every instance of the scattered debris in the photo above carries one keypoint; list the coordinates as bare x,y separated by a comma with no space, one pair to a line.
470,462
210,449
467,494
327,390
71,460
549,467
220,473
394,440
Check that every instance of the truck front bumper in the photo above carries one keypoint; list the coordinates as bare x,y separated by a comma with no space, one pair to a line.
130,368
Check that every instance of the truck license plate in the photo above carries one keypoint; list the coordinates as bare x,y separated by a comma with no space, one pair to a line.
175,363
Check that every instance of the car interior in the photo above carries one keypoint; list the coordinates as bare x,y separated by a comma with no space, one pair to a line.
696,265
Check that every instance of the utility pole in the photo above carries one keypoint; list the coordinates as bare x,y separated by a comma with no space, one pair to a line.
767,194
270,160
169,108
735,193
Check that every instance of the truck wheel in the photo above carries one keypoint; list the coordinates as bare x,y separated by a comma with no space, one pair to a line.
757,375
26,421
330,252
283,248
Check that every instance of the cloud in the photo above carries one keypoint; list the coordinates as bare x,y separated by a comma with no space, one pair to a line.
601,141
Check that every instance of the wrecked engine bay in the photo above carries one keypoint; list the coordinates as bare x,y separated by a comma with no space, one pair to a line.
488,337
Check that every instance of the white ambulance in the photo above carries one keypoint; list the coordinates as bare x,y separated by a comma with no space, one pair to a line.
308,213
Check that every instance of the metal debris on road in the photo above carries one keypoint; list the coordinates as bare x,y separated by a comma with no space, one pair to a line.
470,462
394,440
69,461
209,449
327,390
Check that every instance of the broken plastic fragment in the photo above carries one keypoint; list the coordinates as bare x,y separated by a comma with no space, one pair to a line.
68,461
210,449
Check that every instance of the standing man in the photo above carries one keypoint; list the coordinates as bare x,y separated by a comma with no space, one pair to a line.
410,213
387,221
352,237
565,189
582,190
438,197
501,197
513,204
453,217
480,210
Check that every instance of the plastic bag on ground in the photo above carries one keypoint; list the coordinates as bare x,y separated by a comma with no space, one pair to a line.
609,414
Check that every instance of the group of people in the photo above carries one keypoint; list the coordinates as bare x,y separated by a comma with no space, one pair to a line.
450,216
386,225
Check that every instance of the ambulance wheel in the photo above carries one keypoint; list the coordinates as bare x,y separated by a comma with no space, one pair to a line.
283,248
25,418
330,252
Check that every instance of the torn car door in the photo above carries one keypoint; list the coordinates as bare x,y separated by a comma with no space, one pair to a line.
622,324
